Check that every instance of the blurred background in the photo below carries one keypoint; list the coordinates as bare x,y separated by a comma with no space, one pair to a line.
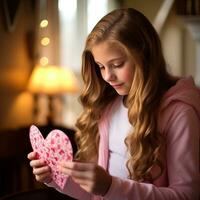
41,42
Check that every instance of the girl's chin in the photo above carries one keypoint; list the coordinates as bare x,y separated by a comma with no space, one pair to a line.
121,92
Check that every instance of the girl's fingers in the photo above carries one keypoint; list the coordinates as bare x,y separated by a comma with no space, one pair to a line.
81,182
78,166
89,176
75,173
43,177
37,163
41,170
32,155
82,171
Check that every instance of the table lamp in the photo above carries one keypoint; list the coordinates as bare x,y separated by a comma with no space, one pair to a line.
52,81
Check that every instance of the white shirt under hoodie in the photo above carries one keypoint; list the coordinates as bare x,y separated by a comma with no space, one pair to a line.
119,127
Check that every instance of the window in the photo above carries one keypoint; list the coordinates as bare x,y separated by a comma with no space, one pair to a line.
76,19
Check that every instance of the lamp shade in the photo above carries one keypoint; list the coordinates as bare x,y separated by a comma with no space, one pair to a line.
52,80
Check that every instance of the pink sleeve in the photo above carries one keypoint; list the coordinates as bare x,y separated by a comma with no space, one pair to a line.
72,189
183,131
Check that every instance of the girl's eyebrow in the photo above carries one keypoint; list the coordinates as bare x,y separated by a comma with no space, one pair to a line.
112,60
98,62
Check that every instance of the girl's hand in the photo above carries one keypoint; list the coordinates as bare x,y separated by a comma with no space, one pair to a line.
91,177
41,171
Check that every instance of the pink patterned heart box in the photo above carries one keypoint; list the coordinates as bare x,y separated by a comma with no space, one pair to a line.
56,147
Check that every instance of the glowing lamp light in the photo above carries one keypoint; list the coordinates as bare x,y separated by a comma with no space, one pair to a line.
52,80
45,41
44,23
44,61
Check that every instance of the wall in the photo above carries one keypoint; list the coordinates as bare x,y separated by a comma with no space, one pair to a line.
178,45
16,63
149,8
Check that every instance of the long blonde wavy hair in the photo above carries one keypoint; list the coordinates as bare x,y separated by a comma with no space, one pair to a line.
144,144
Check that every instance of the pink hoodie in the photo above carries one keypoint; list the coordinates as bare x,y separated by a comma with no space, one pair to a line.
179,120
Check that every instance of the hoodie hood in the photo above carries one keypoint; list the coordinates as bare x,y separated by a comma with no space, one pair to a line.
184,91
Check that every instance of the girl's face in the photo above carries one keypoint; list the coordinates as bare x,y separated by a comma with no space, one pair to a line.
116,65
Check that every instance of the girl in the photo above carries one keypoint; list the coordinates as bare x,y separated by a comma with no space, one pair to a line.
138,136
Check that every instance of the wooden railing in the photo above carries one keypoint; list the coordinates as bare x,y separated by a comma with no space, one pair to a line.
162,14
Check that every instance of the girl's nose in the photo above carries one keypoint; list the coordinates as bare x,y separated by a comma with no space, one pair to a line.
109,75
